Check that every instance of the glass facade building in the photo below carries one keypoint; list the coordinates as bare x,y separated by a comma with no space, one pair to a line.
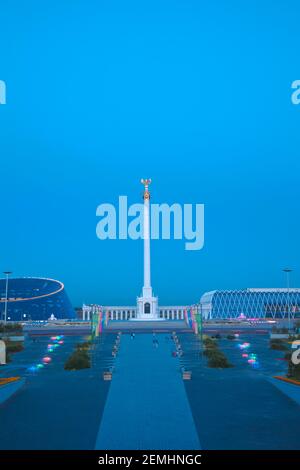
34,299
251,303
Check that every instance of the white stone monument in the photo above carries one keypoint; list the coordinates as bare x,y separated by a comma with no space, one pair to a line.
2,353
147,304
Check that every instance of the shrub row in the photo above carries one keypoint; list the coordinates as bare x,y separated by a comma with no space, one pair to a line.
10,327
278,344
293,369
14,346
80,358
215,357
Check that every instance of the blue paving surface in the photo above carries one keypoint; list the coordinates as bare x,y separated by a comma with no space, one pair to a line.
56,409
6,391
290,390
239,407
147,405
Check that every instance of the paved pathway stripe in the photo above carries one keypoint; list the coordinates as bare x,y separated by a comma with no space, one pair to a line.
147,406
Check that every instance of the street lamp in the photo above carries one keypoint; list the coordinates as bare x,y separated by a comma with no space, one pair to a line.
7,273
201,327
288,271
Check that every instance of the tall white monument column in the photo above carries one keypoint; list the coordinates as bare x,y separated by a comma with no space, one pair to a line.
147,303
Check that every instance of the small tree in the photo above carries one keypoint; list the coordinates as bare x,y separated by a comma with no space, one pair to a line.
218,360
278,345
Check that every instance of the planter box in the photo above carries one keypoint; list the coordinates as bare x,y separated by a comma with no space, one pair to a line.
286,386
286,379
187,375
107,375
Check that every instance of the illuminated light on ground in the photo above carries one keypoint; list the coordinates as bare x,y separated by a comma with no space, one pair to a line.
46,359
251,361
57,341
236,335
244,345
244,355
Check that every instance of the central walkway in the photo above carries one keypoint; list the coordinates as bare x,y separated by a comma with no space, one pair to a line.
147,406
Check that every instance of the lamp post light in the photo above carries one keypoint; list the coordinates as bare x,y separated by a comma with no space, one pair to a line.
201,327
7,273
288,271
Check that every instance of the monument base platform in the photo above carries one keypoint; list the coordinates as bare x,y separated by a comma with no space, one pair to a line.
136,326
147,319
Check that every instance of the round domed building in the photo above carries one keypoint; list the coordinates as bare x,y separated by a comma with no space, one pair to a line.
32,298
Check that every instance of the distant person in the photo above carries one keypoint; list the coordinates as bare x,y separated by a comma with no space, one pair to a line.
132,335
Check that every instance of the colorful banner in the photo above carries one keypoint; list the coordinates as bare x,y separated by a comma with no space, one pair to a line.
97,323
194,319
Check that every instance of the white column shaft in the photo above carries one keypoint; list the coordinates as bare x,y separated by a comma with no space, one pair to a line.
147,268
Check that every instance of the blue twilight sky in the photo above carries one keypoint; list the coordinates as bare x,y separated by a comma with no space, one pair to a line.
195,95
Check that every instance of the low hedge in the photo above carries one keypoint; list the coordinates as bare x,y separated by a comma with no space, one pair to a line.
80,358
10,327
230,337
83,346
210,343
278,345
14,346
215,357
293,369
